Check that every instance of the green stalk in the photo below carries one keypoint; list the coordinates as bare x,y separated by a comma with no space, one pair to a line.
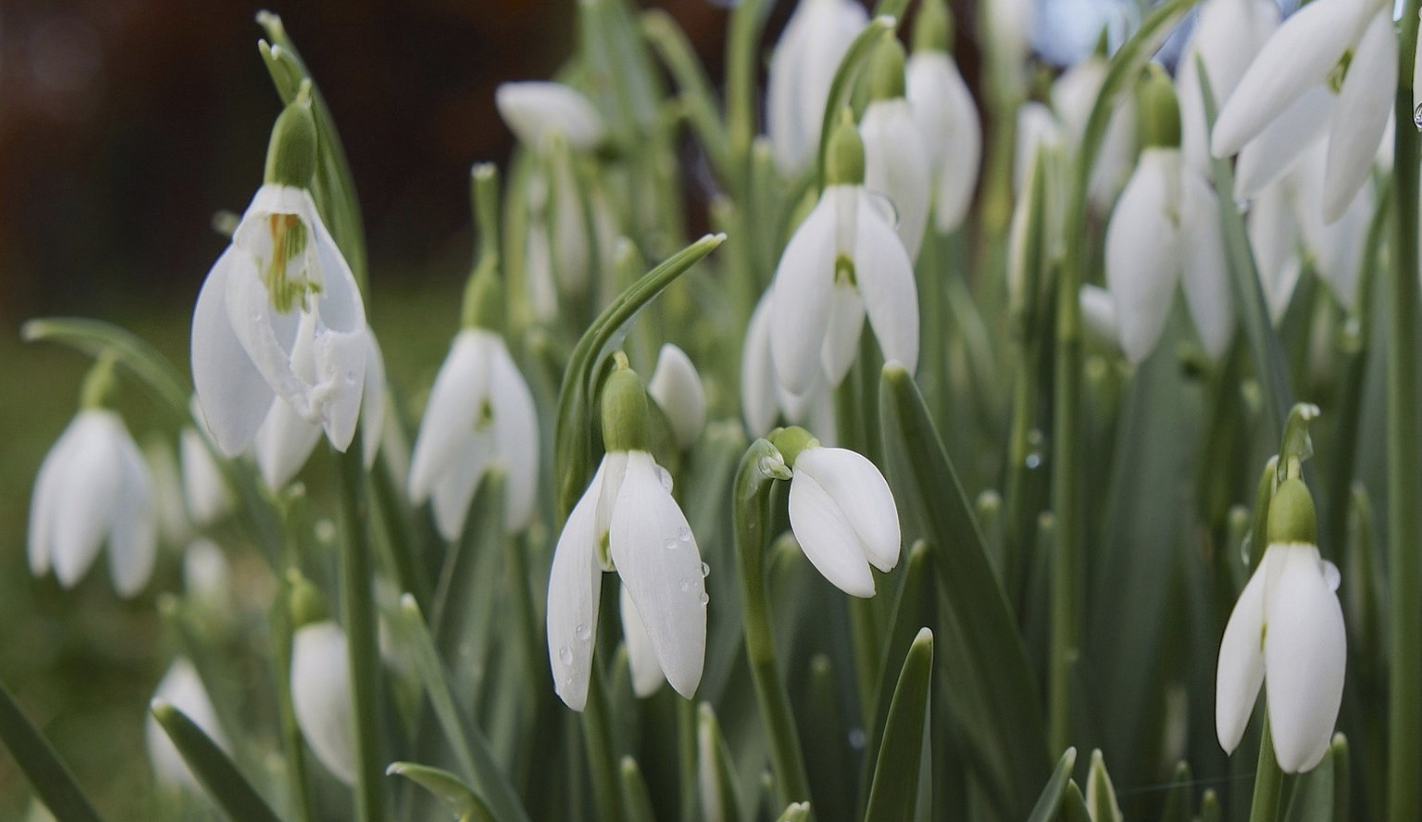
686,759
752,517
1268,779
358,608
602,761
1066,423
1404,503
747,23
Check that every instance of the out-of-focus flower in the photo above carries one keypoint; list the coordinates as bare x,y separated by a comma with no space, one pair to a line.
946,115
204,490
802,69
1227,35
182,688
534,109
764,399
677,388
321,696
896,159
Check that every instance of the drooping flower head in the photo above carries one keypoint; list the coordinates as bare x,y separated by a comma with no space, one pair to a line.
896,159
801,72
946,115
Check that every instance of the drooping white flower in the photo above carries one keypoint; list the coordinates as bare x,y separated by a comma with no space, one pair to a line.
896,159
1286,633
951,131
480,415
1304,53
1073,96
281,287
204,490
534,109
801,71
1227,35
182,688
94,488
677,388
842,513
207,577
764,399
321,696
647,675
1098,315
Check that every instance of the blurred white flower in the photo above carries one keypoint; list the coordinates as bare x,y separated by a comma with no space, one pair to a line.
950,129
93,488
1073,96
627,520
842,513
1302,56
676,386
321,696
764,399
281,288
207,578
802,69
204,490
480,415
647,675
183,689
1227,35
534,109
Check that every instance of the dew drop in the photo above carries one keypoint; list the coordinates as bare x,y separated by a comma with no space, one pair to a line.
684,534
857,739
664,477
705,570
351,377
256,316
705,597
584,632
1417,117
684,584
671,545
1034,461
566,655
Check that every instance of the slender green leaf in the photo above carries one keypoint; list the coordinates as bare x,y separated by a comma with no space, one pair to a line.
51,778
671,45
224,783
96,337
461,798
1311,799
636,800
1100,793
1051,798
894,796
1074,806
795,812
720,794
1178,799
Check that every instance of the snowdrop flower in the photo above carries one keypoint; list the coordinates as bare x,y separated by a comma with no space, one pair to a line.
677,389
1286,633
647,675
802,69
841,511
321,696
1305,53
764,400
94,488
1165,229
1073,96
946,115
1006,28
480,415
896,160
1227,35
207,577
204,490
281,288
182,688
627,521
534,110
842,262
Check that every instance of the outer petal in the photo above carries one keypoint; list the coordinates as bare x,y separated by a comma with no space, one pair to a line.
133,545
321,696
91,485
574,585
283,445
1282,141
759,402
1274,236
232,393
951,129
1098,312
846,324
1364,103
676,386
657,558
533,108
801,71
1305,653
516,436
1205,271
454,489
204,489
896,163
857,488
800,300
827,537
182,688
647,676
1142,251
50,491
1228,34
887,286
460,389
1299,55
1241,665
372,401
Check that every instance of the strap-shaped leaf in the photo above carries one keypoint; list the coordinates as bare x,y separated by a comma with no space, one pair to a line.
460,798
894,796
219,776
51,778
1051,799
96,337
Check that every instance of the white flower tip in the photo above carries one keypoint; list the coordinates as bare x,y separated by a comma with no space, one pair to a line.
537,108
677,389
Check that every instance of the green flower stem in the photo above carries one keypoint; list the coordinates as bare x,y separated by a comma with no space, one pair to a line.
1404,503
687,759
859,51
358,608
671,45
747,23
602,760
754,480
1268,779
1066,423
294,747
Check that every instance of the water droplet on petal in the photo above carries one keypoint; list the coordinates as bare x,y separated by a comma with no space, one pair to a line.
1417,117
705,570
664,477
684,584
684,534
671,545
256,316
566,655
351,377
705,597
584,632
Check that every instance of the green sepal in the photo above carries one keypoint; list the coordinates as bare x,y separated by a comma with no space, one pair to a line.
219,776
933,27
626,412
1292,518
1157,109
886,70
461,799
308,605
291,153
844,159
791,441
894,794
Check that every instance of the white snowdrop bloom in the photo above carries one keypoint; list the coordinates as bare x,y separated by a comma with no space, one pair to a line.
1286,634
204,489
1038,131
764,400
676,386
1166,224
896,160
207,577
647,676
1006,28
1098,314
841,512
1306,51
628,521
1227,35
321,696
183,689
1073,96
843,262
1275,239
802,69
94,488
170,510
534,109
946,115
480,415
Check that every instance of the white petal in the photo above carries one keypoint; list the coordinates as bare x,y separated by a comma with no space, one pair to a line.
232,393
1037,130
802,68
516,436
855,485
647,676
90,487
183,689
951,129
570,247
1305,653
133,545
758,388
886,284
321,696
1338,247
800,300
1274,236
532,109
1206,267
203,486
574,584
657,558
1299,55
454,489
340,364
1098,313
47,502
1364,103
1142,251
896,163
827,538
372,401
460,390
1241,664
846,324
1228,33
267,336
1283,141
283,445
676,386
